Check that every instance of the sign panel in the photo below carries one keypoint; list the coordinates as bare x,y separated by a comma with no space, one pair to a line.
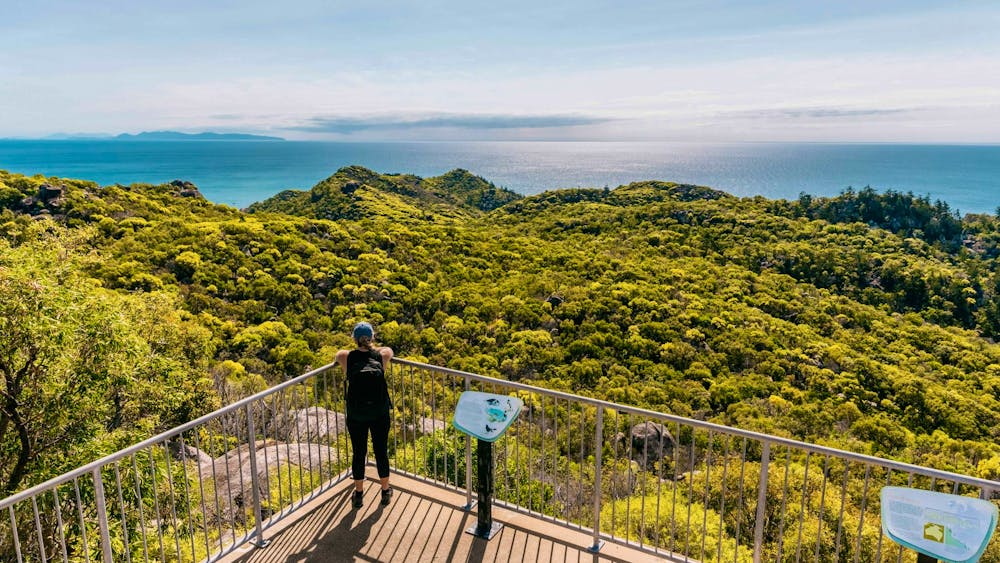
485,416
947,527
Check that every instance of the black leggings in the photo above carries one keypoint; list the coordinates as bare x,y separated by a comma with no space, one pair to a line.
358,429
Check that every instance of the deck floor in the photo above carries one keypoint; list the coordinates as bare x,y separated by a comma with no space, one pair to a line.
423,523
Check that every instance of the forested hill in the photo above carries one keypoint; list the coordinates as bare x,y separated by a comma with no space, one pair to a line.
355,193
864,321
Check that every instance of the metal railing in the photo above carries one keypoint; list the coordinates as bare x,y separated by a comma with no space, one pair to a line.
193,493
686,490
683,489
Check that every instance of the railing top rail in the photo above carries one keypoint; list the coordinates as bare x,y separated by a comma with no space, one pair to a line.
162,437
817,449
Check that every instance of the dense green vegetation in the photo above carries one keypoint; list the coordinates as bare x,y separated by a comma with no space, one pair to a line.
864,321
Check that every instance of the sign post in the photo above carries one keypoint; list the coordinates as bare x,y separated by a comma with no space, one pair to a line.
938,525
485,417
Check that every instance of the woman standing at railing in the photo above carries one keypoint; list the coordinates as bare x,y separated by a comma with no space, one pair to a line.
368,406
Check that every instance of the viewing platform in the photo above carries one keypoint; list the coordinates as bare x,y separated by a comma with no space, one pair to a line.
424,523
575,478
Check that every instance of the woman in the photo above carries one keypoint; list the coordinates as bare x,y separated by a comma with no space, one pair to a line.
368,407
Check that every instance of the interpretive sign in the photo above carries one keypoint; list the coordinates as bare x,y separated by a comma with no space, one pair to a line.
486,416
948,527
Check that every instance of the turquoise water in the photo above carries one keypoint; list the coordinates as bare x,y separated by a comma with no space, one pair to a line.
239,173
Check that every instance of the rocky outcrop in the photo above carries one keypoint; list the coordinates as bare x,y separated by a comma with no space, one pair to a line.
51,195
314,424
424,425
646,443
48,197
186,189
232,474
299,441
186,452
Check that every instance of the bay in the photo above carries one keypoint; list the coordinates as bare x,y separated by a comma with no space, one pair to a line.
238,173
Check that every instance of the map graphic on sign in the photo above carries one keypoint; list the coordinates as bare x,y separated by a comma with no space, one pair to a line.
485,415
934,532
949,527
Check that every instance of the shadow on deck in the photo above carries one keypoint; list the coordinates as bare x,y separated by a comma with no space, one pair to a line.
423,523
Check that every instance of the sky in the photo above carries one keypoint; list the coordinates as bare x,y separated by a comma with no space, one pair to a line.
670,70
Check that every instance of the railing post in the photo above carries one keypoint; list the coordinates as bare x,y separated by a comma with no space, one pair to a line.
254,478
102,516
758,533
468,464
598,451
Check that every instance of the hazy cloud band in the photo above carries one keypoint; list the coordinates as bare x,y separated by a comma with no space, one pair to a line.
817,113
350,124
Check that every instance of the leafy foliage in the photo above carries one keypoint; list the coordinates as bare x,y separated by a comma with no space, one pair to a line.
355,193
863,321
83,367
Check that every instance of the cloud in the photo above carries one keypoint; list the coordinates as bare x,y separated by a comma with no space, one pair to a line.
817,113
353,124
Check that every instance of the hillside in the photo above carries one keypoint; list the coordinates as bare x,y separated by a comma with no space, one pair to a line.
791,317
356,193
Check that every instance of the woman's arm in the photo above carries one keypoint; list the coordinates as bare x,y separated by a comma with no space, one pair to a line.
386,353
341,359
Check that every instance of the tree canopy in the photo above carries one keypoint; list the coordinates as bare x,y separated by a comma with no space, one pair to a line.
865,321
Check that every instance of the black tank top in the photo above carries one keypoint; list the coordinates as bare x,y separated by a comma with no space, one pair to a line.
367,390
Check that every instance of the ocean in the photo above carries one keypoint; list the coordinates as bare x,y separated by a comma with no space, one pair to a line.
238,173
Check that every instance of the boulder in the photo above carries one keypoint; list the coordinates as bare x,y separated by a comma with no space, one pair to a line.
48,193
314,424
232,476
186,189
647,443
424,426
188,452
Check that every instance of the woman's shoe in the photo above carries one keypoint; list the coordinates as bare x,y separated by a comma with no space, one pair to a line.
358,499
386,496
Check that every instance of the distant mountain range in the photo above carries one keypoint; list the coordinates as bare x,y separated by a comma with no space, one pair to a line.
163,136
